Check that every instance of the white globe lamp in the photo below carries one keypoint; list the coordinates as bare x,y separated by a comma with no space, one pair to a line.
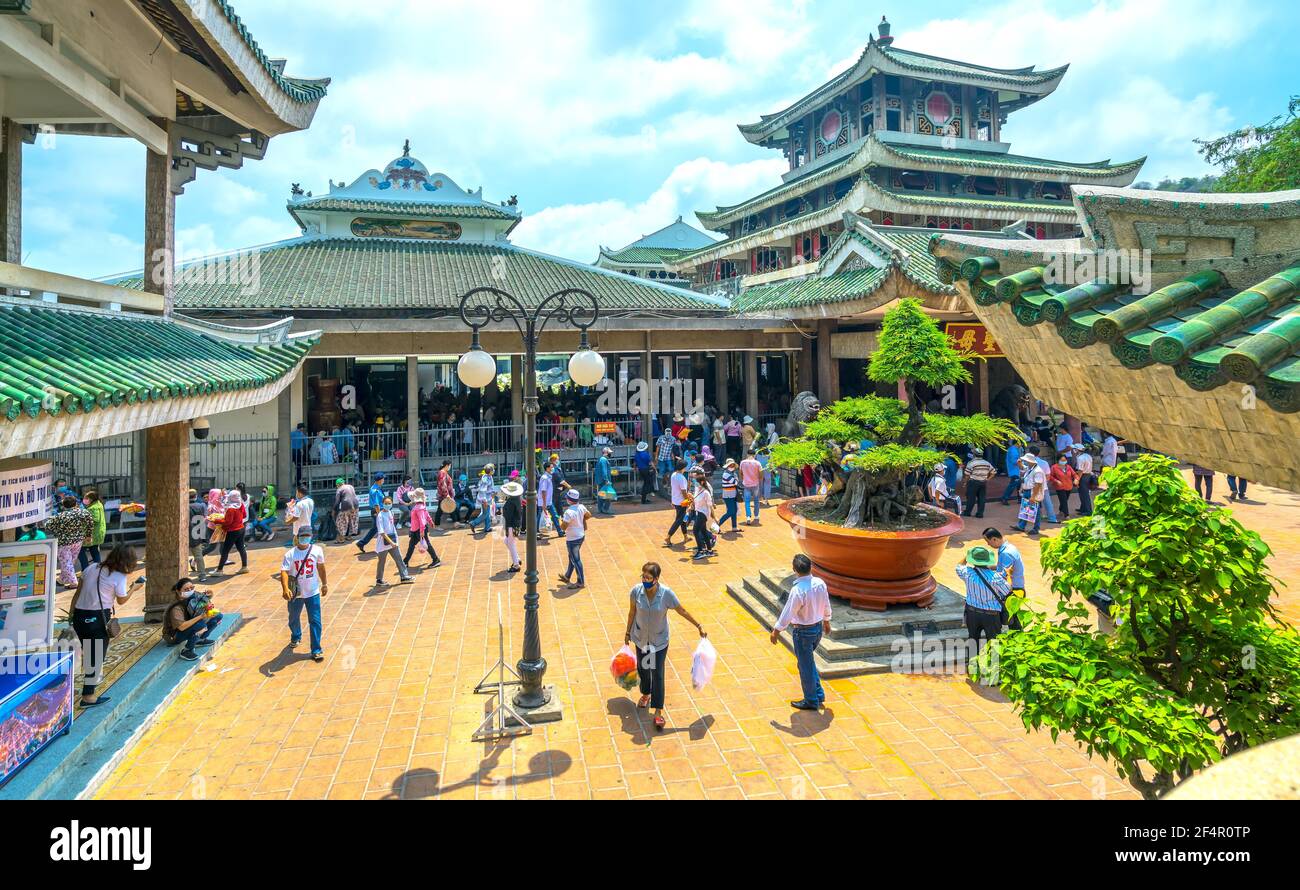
587,367
476,368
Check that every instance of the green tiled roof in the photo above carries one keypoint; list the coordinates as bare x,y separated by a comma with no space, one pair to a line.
1009,163
1208,332
919,268
643,255
301,90
394,274
422,208
1064,208
721,215
66,361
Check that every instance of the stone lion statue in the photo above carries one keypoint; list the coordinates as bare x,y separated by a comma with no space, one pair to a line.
803,409
1012,403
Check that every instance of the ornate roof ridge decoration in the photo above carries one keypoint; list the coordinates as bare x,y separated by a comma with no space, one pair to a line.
887,59
846,273
1199,294
873,152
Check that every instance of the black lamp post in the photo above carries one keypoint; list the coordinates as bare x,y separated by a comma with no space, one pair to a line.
574,307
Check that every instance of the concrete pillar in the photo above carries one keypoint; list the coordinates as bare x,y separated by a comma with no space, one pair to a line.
283,444
721,381
413,417
11,191
139,460
806,363
751,383
828,369
647,408
167,518
159,227
517,395
982,387
1074,426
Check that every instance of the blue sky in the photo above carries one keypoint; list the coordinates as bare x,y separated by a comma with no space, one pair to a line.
608,120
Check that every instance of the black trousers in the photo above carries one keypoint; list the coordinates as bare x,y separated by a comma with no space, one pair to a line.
1063,500
982,621
91,628
414,538
679,521
647,484
233,539
976,495
651,667
703,537
1209,485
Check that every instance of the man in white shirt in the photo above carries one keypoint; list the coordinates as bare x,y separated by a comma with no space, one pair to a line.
301,512
678,487
574,524
1048,503
1033,486
1083,463
939,494
302,584
807,613
978,473
1064,441
1109,451
386,545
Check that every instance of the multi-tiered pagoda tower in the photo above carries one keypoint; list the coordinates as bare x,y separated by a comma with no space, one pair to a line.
900,144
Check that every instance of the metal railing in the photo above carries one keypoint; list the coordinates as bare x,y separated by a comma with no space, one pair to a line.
224,460
105,465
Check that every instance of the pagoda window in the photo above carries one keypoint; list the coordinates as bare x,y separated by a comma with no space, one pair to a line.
912,179
842,187
887,221
792,208
984,185
1054,191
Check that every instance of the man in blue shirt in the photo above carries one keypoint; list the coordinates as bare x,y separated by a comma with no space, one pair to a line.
986,592
645,471
1013,470
376,502
298,446
1011,565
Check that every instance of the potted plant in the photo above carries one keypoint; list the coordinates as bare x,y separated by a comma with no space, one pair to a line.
872,537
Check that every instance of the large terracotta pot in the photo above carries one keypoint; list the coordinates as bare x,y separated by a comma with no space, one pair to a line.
872,569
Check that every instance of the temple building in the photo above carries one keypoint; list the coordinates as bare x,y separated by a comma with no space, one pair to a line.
379,268
648,256
84,360
900,145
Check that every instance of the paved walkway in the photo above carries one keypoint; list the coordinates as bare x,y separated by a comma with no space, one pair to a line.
390,712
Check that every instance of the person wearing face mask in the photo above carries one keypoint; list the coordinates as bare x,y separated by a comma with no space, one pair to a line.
302,583
386,545
647,630
190,619
1062,479
265,514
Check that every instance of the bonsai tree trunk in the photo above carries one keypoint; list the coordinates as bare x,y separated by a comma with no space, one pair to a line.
911,434
851,511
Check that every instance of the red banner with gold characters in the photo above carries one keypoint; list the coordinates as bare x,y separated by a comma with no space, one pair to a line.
974,338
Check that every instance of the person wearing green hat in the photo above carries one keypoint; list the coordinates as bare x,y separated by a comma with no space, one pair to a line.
347,509
987,590
266,509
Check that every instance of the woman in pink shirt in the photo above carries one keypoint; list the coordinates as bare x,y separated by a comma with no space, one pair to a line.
751,479
420,522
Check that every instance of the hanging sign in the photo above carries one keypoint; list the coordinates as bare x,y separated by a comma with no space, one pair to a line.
26,487
973,338
604,427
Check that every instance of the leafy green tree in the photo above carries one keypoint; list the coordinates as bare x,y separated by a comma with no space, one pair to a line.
870,485
1258,159
1199,664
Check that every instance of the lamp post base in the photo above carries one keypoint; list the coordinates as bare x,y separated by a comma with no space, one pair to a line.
549,711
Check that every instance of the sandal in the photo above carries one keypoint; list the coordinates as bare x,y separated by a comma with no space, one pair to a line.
660,722
643,702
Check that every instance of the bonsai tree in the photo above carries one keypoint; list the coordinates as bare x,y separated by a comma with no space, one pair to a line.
1199,665
874,446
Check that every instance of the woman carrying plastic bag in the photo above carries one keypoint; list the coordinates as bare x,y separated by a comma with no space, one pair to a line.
647,630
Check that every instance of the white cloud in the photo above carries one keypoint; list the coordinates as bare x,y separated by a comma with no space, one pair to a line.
577,231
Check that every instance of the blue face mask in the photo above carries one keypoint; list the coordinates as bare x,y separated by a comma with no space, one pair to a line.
304,543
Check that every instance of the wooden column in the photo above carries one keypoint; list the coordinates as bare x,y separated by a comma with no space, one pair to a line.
11,191
159,227
413,417
166,527
806,363
751,384
1072,424
284,480
721,381
828,369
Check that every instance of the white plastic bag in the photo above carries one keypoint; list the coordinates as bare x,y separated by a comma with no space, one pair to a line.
702,663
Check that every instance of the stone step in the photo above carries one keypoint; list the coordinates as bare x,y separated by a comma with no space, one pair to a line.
849,622
880,653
